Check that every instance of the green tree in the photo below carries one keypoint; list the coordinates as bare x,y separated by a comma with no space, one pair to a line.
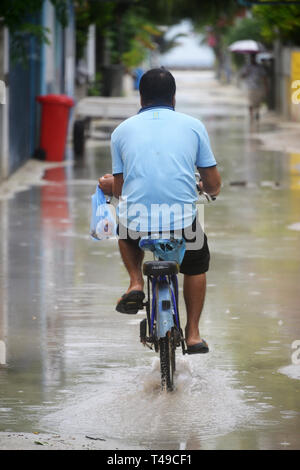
279,22
217,21
244,28
19,18
92,12
172,11
123,28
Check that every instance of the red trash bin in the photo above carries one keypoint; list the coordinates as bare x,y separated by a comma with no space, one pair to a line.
54,125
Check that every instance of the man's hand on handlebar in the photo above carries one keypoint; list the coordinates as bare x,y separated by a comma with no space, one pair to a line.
201,191
200,187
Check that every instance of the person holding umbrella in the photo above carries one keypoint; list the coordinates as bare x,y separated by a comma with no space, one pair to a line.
256,80
254,74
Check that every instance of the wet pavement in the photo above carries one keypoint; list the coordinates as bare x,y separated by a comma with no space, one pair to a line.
72,366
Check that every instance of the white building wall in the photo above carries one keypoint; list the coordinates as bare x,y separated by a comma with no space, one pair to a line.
70,51
49,49
4,149
91,53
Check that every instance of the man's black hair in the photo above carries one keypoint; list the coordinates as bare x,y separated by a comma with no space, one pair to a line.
157,87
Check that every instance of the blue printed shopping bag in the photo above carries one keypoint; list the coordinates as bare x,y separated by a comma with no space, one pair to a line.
103,224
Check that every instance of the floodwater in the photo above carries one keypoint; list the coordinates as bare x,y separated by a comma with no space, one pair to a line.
71,364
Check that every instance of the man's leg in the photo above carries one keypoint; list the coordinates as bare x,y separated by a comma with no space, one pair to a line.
194,289
132,257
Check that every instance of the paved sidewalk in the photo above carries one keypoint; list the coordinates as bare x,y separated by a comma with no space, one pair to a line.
284,138
30,174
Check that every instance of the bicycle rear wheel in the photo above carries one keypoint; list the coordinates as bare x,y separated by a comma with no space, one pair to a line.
167,361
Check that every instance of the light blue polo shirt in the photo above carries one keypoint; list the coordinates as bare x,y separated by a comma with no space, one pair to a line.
158,151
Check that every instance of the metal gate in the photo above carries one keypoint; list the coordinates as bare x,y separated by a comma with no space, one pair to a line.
24,86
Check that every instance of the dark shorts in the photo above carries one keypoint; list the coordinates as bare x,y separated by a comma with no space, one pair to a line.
195,261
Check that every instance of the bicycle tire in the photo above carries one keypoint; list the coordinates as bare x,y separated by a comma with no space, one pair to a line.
167,361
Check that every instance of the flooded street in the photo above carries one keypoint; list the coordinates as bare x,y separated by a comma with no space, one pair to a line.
73,366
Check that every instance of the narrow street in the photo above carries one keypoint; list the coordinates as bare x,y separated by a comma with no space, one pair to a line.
74,371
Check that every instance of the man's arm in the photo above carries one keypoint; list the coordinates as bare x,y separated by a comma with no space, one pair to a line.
211,180
118,185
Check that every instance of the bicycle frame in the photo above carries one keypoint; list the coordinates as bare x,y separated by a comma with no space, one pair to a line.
163,305
162,308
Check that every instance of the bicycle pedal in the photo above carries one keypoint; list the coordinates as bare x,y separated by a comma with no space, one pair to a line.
178,338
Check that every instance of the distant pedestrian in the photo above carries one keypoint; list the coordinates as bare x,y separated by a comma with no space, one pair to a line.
256,81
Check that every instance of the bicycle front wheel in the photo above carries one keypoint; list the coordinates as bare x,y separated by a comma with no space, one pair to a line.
167,361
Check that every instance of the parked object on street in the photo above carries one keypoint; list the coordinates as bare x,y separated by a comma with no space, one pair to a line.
54,125
108,112
264,56
80,130
137,75
112,80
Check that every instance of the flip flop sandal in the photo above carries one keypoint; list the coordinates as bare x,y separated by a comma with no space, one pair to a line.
131,303
199,348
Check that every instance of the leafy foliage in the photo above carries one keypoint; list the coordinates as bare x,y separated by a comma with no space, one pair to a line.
279,22
22,20
126,26
91,12
129,25
245,28
201,13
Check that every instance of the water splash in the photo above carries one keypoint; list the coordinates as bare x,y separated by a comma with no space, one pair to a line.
130,406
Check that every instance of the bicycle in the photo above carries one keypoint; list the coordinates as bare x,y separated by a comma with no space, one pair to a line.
162,322
161,328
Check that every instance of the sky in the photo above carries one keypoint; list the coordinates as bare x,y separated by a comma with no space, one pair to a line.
190,53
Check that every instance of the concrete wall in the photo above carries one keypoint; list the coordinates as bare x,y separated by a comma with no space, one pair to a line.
51,69
295,85
4,157
90,54
70,53
287,71
3,205
58,57
48,51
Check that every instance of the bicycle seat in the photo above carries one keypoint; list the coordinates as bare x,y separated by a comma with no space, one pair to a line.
164,249
159,268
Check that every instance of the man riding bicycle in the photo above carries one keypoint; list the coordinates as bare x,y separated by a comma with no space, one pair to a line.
154,157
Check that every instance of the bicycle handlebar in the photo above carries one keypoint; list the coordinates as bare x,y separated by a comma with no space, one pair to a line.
207,196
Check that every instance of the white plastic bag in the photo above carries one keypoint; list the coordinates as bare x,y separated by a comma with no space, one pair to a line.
103,224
